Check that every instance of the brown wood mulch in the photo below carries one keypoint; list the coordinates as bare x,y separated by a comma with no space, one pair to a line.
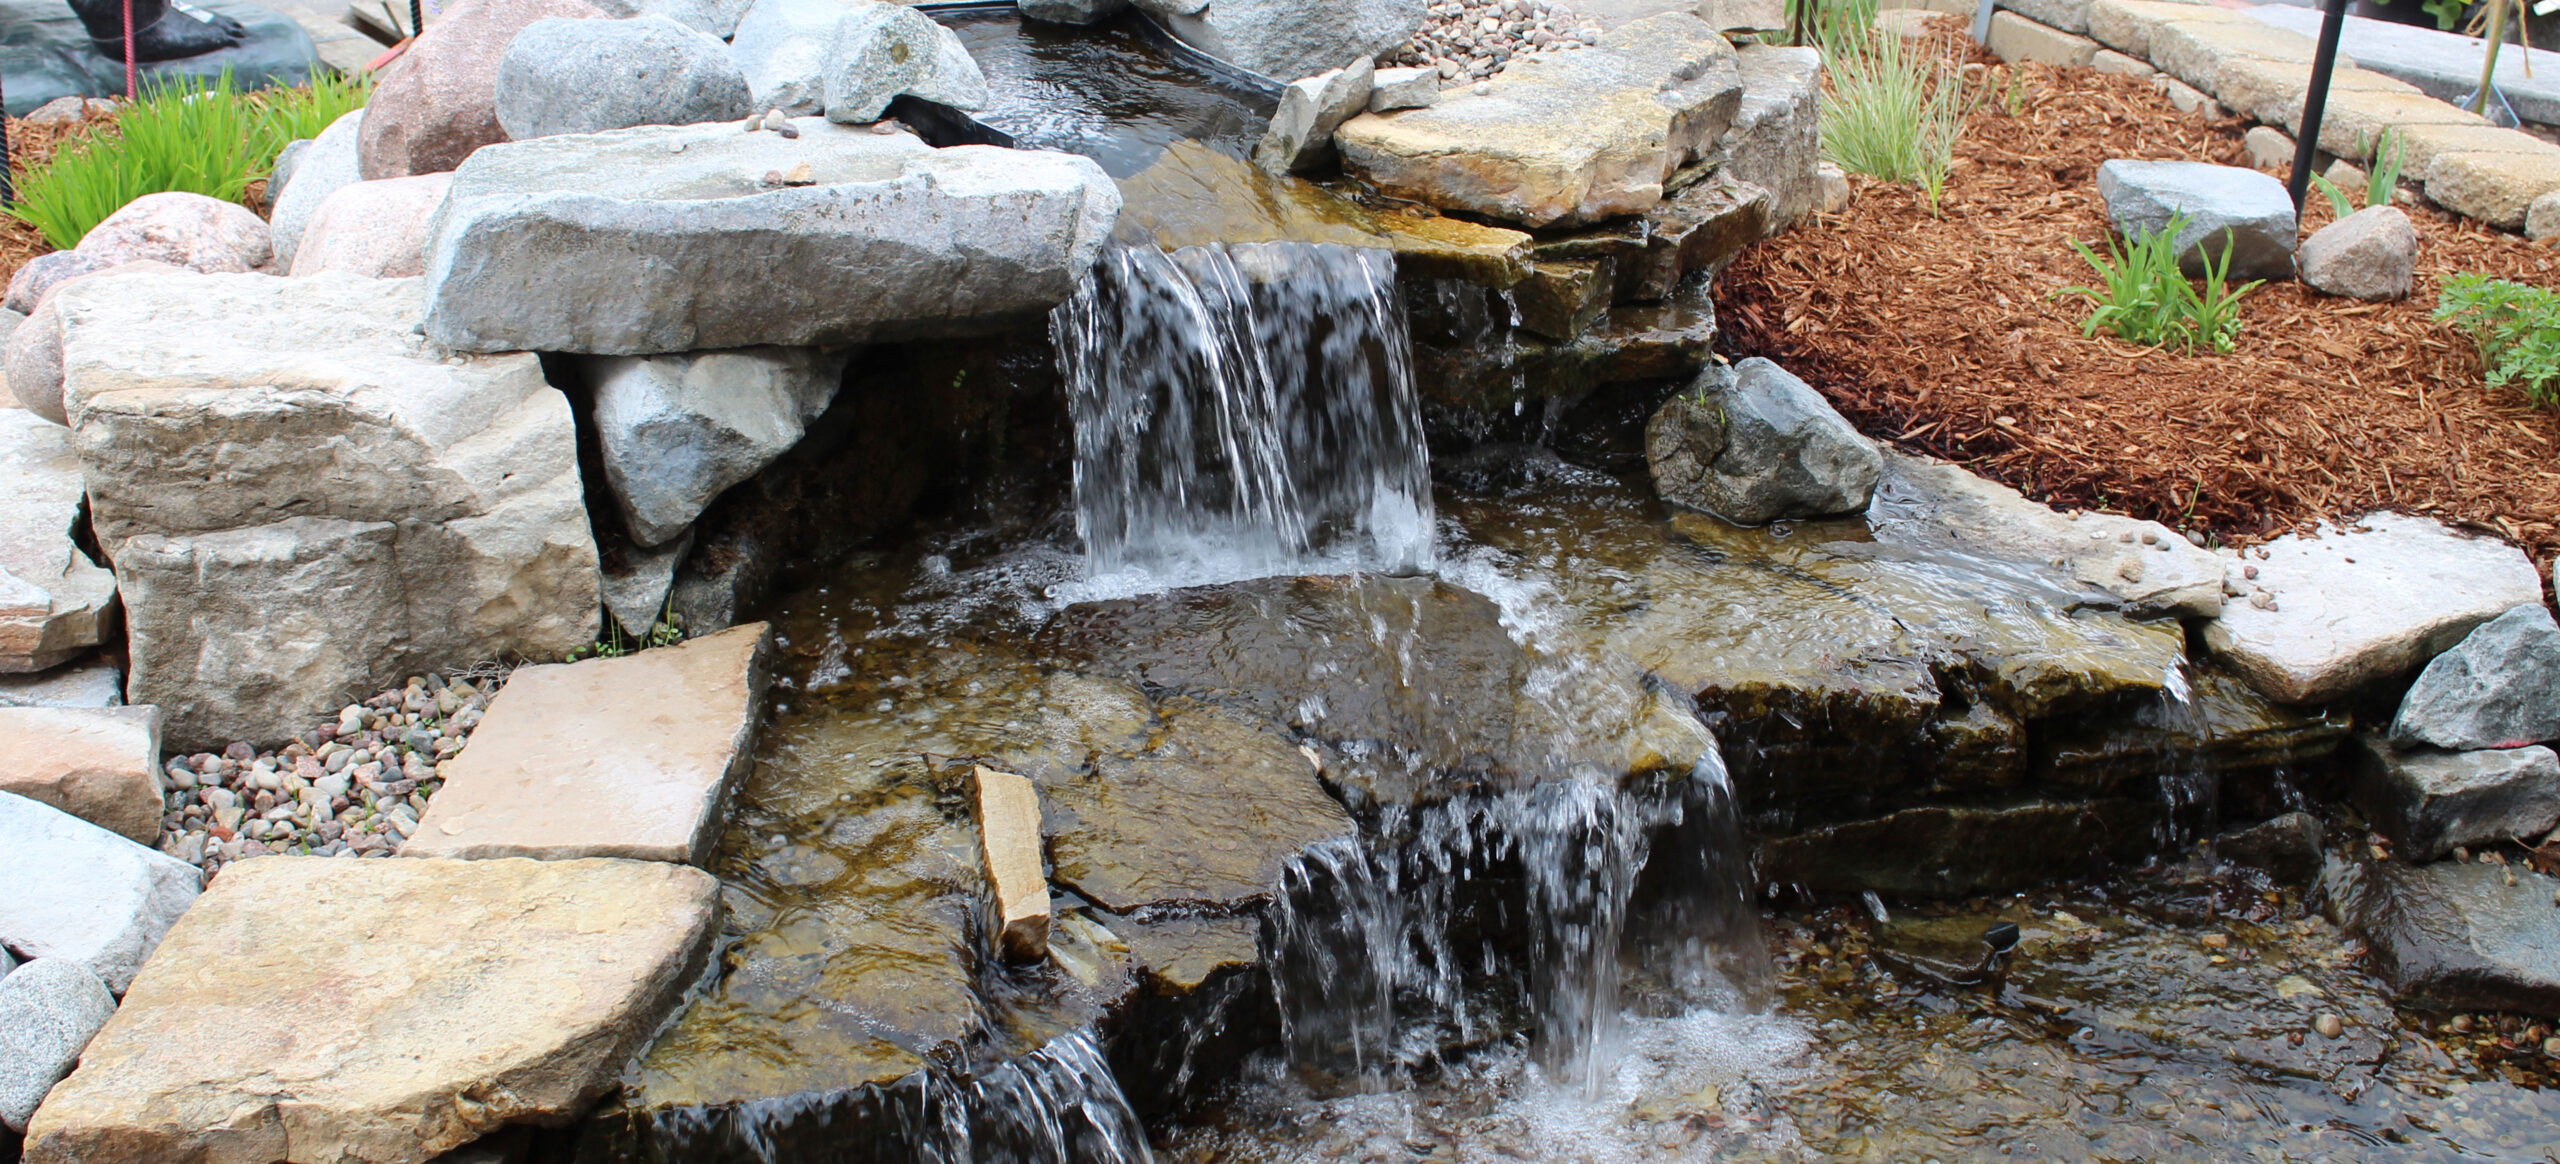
1945,334
31,146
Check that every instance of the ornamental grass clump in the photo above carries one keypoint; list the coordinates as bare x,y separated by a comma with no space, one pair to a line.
2517,327
1894,109
184,134
2147,300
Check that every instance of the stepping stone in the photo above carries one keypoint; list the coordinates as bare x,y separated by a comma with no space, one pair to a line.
2429,801
99,764
630,757
382,1011
2325,615
679,238
55,604
2455,935
69,889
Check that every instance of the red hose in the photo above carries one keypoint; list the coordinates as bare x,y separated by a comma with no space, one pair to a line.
128,51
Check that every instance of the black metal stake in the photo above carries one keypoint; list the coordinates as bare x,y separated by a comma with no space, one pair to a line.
8,174
417,18
2333,20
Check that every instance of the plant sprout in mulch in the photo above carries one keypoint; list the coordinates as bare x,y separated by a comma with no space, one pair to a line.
1942,333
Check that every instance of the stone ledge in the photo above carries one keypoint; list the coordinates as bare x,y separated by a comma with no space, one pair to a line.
2016,38
2496,188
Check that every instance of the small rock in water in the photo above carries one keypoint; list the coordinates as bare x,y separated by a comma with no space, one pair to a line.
2330,1026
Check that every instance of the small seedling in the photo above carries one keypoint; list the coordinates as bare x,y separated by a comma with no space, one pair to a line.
2517,327
2147,300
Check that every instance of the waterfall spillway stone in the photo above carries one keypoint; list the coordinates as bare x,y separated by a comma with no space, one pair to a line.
1244,411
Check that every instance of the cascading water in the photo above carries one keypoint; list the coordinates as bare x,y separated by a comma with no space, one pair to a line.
1242,411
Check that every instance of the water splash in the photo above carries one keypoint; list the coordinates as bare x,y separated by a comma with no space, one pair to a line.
1243,411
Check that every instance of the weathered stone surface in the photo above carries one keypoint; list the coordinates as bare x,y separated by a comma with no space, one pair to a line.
35,348
2286,848
1754,444
330,164
55,604
2146,565
374,229
630,757
49,1009
110,916
2186,98
1952,852
615,244
2454,934
1565,139
183,230
879,51
782,47
2542,219
2351,606
2248,207
2444,65
2274,91
574,75
2196,52
2269,148
1009,836
1561,299
412,1006
2070,16
1394,89
1776,139
676,430
1289,38
2497,688
718,18
88,682
2109,62
2429,801
2421,144
954,78
296,437
2370,254
637,581
2128,25
2358,115
437,103
2020,40
2498,189
1300,136
99,764
43,273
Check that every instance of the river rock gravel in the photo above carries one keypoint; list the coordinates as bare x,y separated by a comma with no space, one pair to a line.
1470,40
352,787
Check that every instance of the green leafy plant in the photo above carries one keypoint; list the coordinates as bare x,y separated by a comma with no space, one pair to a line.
2379,182
1894,110
2147,300
2517,327
183,134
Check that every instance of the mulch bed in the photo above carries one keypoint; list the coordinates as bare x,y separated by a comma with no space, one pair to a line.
31,146
1944,333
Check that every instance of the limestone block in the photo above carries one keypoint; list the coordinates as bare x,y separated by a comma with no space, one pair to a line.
631,757
1776,139
2111,63
2127,25
99,764
55,604
110,916
1394,89
2421,144
2020,40
2356,118
2497,189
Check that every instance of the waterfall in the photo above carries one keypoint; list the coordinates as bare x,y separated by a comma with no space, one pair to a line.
1243,411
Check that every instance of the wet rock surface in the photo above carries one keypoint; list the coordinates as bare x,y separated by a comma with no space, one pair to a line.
2455,934
2429,801
2497,688
1754,444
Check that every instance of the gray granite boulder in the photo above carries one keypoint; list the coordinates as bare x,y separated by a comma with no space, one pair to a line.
49,1009
1290,38
69,889
328,165
1300,136
2428,801
676,430
1755,444
881,50
684,238
2497,688
2454,934
1776,139
2249,209
2316,616
716,18
303,498
567,75
2286,848
781,46
2370,254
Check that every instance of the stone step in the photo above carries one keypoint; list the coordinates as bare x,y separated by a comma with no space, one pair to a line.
381,1011
631,757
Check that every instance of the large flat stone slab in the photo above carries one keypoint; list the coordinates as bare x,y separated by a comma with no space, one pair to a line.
69,889
1565,139
304,499
55,604
99,764
381,1011
630,757
1288,39
2444,65
671,238
2147,566
2455,934
2429,801
2320,616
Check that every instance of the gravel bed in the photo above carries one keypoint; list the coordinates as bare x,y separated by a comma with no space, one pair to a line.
1470,40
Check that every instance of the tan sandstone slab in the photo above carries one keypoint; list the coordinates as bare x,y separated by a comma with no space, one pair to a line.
2318,617
629,757
101,764
1009,833
2496,188
2266,90
2129,25
2421,144
380,1012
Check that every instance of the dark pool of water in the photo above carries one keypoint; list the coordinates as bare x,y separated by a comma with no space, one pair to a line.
1109,91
